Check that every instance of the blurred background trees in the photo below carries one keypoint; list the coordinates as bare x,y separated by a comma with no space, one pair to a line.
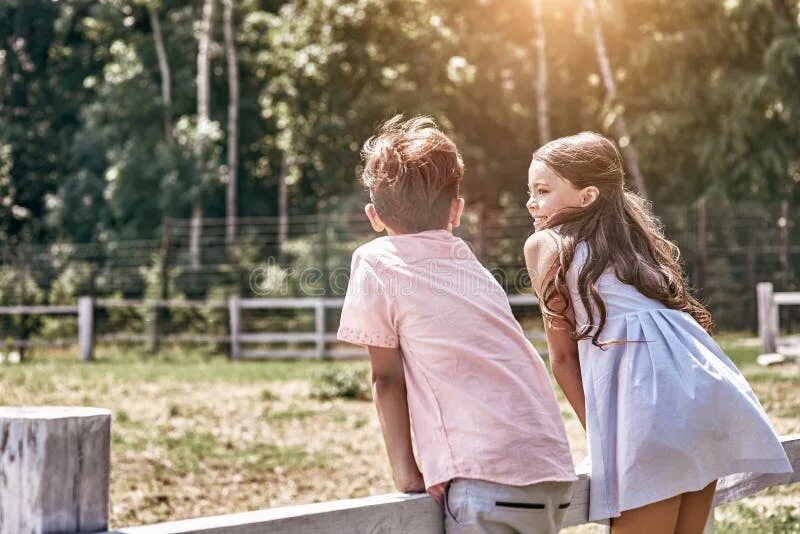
91,149
118,116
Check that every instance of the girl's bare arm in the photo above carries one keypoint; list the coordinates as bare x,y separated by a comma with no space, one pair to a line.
541,250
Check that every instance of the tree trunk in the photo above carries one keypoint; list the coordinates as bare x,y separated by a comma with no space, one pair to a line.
543,113
233,121
629,153
782,8
203,110
203,65
163,67
283,208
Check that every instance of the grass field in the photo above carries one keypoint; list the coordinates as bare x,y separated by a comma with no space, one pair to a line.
194,434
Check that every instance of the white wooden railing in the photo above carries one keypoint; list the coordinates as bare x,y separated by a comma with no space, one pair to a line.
55,464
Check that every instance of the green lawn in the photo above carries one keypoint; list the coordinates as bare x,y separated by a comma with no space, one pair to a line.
194,434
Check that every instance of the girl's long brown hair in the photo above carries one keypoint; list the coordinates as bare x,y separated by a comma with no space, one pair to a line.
620,231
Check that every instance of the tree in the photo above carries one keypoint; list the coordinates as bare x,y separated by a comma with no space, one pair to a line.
163,67
615,110
233,121
203,126
40,92
543,113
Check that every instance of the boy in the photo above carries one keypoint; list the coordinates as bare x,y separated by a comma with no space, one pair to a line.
445,347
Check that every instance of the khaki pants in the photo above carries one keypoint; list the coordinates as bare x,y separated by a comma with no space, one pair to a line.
477,506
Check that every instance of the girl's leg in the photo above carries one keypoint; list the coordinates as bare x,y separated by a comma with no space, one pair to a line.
655,518
694,510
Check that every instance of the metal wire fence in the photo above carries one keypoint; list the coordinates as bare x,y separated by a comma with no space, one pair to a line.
726,249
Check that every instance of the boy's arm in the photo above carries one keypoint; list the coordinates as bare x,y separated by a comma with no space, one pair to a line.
541,251
389,392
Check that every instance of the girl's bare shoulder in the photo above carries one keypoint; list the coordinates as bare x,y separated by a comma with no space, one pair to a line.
541,252
543,242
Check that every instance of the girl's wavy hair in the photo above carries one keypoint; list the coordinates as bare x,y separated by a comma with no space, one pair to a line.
621,232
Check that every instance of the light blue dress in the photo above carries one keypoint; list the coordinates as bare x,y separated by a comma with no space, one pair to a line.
667,411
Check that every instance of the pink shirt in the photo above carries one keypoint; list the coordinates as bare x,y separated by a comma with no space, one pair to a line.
481,402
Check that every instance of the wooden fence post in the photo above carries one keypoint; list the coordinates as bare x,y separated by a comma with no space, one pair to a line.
322,228
55,465
319,323
234,317
751,282
151,322
86,327
701,264
783,233
767,317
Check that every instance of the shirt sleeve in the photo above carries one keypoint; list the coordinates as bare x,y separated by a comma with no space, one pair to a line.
368,316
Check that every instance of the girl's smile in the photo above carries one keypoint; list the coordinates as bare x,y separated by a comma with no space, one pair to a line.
549,193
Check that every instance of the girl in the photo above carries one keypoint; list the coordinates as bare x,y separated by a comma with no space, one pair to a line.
665,410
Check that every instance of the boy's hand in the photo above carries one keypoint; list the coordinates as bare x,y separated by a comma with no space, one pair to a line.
437,492
411,484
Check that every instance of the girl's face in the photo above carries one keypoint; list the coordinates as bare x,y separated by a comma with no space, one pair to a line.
550,193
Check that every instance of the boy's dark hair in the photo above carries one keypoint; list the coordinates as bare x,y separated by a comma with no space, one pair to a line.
413,172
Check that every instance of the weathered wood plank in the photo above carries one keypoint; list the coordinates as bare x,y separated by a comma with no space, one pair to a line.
278,354
420,514
278,303
395,512
38,310
149,303
54,469
278,337
234,323
86,328
578,511
320,328
167,338
736,487
787,298
767,317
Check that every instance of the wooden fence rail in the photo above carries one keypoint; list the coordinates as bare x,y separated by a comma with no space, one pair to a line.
419,513
56,466
320,338
403,513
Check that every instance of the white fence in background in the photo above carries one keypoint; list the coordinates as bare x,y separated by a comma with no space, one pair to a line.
320,338
774,348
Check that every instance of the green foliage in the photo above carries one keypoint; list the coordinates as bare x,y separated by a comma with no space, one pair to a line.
781,520
707,87
17,287
345,383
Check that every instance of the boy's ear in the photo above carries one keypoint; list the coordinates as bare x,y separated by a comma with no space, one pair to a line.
589,195
456,209
374,219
